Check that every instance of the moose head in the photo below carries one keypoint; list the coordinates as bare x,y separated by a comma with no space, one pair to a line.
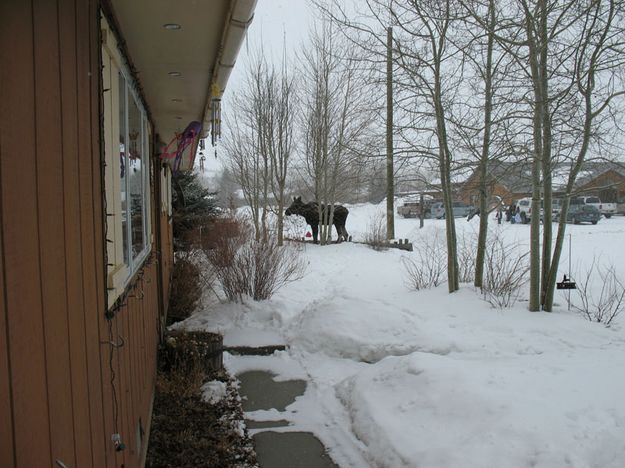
296,207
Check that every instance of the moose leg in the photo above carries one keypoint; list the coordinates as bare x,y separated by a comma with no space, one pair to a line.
315,230
339,232
345,235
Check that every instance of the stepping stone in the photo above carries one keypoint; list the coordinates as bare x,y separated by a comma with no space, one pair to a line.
291,449
265,424
259,391
254,351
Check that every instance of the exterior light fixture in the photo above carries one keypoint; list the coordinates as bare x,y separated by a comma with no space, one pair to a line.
174,73
172,26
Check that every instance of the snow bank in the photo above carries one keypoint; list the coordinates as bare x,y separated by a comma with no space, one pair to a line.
431,410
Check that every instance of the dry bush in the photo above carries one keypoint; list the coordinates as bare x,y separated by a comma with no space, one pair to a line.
375,235
247,267
268,268
428,269
467,253
505,272
185,287
604,307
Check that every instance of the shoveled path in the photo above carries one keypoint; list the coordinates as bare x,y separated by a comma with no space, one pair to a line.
295,449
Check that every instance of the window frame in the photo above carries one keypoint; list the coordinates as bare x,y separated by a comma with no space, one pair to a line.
120,273
135,262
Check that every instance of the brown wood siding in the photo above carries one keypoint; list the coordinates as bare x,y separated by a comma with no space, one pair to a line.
56,397
22,271
6,413
50,199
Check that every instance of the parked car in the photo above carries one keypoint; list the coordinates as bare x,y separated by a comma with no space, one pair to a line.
556,206
410,209
582,213
460,209
606,209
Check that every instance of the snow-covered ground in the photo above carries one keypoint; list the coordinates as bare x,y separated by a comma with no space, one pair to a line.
430,379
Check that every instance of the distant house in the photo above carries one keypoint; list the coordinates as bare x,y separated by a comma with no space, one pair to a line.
508,180
89,91
512,181
603,179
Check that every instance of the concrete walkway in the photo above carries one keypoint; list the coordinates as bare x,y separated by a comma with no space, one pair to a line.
293,449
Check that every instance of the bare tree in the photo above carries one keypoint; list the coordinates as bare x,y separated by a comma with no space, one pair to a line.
597,87
244,164
278,127
482,122
570,54
336,116
550,75
431,69
260,143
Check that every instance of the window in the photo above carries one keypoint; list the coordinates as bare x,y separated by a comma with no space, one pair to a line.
127,174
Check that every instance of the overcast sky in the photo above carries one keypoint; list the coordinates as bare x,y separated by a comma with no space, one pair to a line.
276,23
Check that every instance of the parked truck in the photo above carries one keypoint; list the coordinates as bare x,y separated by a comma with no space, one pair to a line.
606,209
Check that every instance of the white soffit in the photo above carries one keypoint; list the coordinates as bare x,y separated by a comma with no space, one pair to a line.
206,44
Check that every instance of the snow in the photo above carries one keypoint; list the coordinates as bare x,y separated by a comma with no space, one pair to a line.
425,378
214,391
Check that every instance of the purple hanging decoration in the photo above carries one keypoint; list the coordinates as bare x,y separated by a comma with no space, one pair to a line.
183,139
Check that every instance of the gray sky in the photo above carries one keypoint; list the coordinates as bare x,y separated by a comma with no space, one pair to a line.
276,22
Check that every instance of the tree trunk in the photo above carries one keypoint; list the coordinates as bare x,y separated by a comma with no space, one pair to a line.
485,155
390,192
537,153
546,156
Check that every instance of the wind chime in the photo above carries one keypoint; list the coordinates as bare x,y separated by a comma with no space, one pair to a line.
215,116
202,157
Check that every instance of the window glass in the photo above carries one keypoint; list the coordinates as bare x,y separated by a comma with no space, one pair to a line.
122,162
136,176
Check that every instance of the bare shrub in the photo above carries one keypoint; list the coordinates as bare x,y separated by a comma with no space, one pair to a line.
245,267
268,267
604,307
467,252
185,287
506,272
427,268
375,236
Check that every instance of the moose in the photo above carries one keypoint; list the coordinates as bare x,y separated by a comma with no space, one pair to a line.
310,212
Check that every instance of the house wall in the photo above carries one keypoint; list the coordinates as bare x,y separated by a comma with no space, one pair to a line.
470,191
609,186
57,401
